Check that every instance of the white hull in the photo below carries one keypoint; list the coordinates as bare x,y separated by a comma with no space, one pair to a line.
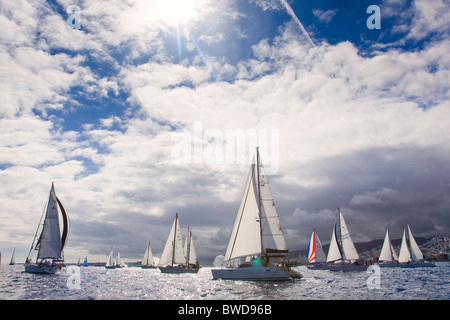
41,269
252,273
177,270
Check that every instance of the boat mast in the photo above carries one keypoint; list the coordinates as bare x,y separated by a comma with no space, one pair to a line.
339,233
174,238
188,246
37,230
259,200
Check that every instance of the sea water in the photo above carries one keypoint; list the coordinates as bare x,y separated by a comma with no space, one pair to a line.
134,283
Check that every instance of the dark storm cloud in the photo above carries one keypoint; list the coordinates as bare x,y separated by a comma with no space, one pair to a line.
373,187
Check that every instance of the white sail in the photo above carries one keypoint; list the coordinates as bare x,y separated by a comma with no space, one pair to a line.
118,261
173,252
110,261
348,248
394,254
404,255
320,254
189,248
334,253
148,257
416,254
271,232
51,241
245,239
387,253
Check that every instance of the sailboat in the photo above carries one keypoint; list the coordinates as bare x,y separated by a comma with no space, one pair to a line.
342,254
190,252
119,263
257,236
110,264
13,258
316,255
410,255
173,259
388,256
147,261
85,262
52,238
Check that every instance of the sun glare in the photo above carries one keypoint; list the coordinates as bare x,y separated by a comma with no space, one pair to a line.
178,11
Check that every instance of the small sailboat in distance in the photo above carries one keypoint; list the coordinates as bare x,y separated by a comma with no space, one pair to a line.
13,258
110,264
342,254
190,252
119,263
316,255
257,236
173,259
147,261
52,238
388,256
410,255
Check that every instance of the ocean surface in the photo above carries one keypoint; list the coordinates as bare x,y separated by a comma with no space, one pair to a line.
133,283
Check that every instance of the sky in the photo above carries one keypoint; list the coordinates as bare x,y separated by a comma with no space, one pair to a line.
140,109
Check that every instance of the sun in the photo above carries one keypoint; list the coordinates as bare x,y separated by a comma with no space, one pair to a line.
175,12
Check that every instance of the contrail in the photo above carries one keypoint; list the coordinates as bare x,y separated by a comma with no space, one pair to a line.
294,16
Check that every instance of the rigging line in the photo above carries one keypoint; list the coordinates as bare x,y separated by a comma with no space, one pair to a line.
40,221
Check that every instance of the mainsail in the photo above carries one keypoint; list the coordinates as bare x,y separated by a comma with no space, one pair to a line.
257,229
387,253
341,245
52,241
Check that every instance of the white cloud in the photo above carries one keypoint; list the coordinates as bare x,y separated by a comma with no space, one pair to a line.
430,16
375,198
325,16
